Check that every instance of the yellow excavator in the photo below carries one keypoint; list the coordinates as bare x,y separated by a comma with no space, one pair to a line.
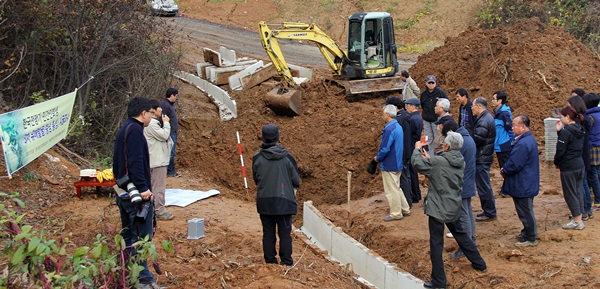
368,65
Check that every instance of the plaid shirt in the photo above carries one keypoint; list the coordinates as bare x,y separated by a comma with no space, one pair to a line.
595,156
464,116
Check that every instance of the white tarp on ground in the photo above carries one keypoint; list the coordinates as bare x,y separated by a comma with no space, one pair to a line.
183,198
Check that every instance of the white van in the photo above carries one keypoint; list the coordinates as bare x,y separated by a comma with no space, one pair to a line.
164,7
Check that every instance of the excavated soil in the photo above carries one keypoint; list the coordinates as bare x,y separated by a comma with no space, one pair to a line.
334,136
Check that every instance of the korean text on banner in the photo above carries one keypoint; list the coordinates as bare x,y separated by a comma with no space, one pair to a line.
29,132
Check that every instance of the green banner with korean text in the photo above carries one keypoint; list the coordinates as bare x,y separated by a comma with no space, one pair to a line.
29,132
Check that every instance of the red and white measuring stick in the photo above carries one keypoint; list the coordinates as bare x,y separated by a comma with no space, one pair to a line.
237,133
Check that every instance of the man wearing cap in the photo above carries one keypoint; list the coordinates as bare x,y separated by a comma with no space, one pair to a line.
416,127
411,89
389,158
442,110
403,119
276,177
429,98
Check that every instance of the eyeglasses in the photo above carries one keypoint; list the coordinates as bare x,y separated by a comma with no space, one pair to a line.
152,111
431,82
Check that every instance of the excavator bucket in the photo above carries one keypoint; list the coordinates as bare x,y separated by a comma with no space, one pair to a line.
284,101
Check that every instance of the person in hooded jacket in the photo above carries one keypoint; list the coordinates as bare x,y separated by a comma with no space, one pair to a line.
568,159
443,205
429,98
503,121
275,174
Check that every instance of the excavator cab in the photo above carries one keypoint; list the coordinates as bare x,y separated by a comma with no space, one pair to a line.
371,46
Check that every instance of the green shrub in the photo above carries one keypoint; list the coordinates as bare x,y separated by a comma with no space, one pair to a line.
34,260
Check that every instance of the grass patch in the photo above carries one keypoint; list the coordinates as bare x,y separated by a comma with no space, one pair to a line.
410,22
420,48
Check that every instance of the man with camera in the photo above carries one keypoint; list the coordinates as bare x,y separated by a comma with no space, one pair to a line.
131,167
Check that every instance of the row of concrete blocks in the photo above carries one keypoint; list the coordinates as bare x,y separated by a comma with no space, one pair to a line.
339,246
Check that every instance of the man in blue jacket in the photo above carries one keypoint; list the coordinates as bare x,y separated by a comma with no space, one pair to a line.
504,132
389,158
522,179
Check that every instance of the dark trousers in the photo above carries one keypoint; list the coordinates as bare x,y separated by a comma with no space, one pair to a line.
134,230
405,185
571,186
415,192
436,247
484,189
283,225
502,158
524,207
171,168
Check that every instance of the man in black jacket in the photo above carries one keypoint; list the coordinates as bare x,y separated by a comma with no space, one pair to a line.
465,114
416,127
429,98
276,176
404,119
168,107
484,135
131,158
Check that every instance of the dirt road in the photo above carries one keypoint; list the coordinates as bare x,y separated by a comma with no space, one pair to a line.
247,43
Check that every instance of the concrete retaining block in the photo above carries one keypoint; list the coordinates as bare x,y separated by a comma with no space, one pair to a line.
227,106
346,250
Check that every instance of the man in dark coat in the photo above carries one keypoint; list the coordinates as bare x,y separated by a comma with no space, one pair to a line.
521,174
416,127
429,98
131,158
168,108
276,176
484,135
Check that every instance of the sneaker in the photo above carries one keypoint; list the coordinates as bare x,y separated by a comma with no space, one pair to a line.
480,215
406,214
520,237
525,243
590,215
572,225
449,235
175,175
595,208
164,217
484,218
584,217
390,218
458,254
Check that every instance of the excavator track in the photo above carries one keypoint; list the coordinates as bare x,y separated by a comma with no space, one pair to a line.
371,85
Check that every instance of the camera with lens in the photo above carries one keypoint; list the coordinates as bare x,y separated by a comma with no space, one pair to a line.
143,210
132,191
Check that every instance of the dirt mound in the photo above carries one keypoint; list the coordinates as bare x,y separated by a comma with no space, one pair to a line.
537,65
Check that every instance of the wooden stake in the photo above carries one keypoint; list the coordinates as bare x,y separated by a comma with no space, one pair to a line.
348,222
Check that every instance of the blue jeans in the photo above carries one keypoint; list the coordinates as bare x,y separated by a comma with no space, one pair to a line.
593,177
134,230
484,189
466,219
171,168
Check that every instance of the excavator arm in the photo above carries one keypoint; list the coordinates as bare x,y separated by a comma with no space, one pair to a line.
333,54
